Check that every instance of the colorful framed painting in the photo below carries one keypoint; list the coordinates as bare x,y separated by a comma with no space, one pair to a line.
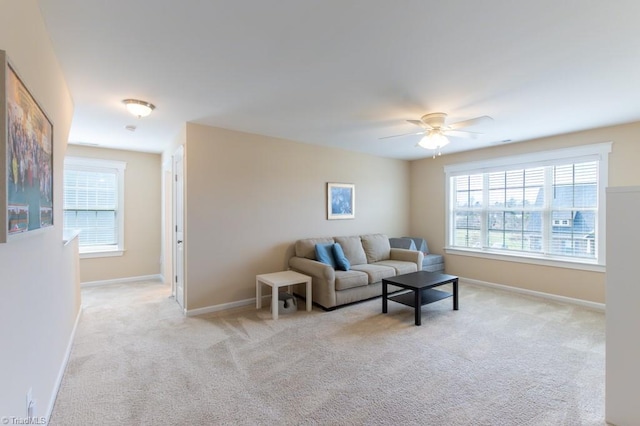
26,163
341,201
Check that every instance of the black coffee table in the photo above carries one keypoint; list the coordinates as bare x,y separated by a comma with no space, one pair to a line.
422,284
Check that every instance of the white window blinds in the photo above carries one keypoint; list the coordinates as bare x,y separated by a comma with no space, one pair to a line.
92,203
524,207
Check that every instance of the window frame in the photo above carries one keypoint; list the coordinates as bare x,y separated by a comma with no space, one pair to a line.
593,152
100,165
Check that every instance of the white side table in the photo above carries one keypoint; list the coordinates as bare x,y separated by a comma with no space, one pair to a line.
277,280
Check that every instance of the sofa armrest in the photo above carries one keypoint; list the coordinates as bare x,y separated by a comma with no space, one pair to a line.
323,277
313,268
408,256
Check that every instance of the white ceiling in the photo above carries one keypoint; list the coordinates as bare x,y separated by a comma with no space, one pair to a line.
345,73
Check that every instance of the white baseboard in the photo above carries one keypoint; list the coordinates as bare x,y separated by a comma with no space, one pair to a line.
221,307
585,303
267,299
156,277
63,366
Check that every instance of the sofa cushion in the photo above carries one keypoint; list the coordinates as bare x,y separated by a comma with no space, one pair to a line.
375,272
350,279
342,262
376,247
436,267
432,259
324,254
307,247
352,247
400,266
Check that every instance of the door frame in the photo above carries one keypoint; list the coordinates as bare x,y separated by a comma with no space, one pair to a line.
178,255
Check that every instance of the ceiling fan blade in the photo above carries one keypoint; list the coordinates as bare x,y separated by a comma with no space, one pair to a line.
472,122
404,134
420,123
462,134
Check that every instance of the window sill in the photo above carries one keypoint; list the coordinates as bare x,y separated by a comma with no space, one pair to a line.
92,254
557,263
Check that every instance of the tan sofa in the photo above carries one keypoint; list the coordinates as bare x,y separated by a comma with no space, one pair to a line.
371,258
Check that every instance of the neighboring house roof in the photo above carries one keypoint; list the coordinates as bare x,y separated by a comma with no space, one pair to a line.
577,197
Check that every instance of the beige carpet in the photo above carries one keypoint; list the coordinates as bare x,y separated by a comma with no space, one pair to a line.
502,359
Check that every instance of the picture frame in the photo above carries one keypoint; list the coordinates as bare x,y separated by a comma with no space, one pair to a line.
26,158
341,201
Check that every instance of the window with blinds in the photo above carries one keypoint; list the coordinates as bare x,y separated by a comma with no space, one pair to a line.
93,203
540,206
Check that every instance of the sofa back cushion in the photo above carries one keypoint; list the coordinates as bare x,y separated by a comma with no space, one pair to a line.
352,247
376,247
307,247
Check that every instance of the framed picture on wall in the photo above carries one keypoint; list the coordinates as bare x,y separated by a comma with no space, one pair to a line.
341,201
26,158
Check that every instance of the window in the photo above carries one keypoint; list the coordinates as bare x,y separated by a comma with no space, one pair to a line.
94,204
546,207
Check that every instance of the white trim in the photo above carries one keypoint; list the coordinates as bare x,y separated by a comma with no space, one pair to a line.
94,165
593,152
221,307
156,277
570,300
63,366
530,259
596,150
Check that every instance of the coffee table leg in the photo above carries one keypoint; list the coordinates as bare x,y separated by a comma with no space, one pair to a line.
455,294
418,308
384,297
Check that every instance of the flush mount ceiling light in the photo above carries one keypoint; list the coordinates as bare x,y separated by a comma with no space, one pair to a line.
138,108
434,139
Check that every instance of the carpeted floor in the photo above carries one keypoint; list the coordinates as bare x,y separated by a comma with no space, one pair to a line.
502,359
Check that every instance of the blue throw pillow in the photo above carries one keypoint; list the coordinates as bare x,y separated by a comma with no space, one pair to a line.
324,254
342,262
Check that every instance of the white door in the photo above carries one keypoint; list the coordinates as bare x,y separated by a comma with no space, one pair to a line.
178,225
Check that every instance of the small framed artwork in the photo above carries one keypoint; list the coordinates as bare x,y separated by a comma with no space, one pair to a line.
341,201
26,158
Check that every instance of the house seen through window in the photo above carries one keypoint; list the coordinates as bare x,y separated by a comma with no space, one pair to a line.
93,204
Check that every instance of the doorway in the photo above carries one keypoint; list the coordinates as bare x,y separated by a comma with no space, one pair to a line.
178,226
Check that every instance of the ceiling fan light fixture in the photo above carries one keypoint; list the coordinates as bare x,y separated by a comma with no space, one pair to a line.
434,139
138,108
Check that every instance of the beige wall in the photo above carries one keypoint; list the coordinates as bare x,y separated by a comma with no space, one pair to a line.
427,201
142,220
249,197
38,277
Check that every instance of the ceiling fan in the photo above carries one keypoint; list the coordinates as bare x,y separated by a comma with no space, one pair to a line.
435,130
